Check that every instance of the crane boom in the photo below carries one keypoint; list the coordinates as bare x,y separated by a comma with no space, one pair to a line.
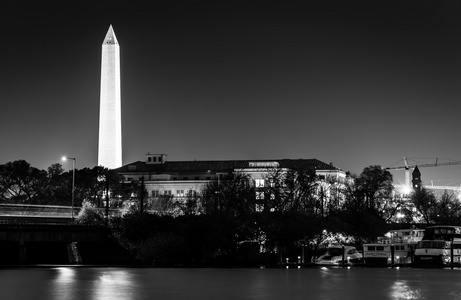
407,168
433,187
452,163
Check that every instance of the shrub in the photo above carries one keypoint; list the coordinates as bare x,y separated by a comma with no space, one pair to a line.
90,215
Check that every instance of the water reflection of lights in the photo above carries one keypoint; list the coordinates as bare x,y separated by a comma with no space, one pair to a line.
401,290
64,284
113,285
65,274
324,271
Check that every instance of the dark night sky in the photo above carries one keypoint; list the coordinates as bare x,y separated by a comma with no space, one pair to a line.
355,83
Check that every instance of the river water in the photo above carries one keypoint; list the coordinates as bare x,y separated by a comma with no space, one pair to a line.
155,283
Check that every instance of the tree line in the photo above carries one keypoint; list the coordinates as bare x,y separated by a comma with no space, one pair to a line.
233,220
21,183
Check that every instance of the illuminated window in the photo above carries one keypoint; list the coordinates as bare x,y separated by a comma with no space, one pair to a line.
259,183
180,193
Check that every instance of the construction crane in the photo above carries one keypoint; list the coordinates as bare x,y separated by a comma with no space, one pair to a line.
407,168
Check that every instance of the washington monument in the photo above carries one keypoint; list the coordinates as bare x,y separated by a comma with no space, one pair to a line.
110,121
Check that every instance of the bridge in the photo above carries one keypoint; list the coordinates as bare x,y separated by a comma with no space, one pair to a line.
49,235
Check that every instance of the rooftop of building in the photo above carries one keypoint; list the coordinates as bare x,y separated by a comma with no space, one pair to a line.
225,165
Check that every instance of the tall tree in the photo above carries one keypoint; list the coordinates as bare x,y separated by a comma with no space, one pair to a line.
58,192
22,183
94,184
447,210
356,218
293,191
424,201
229,195
375,186
89,185
271,196
301,192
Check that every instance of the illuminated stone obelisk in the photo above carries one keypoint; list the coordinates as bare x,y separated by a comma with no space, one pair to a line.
110,120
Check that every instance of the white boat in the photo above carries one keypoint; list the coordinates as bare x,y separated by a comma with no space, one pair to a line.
395,248
440,247
336,255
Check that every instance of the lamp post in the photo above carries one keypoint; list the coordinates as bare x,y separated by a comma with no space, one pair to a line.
64,158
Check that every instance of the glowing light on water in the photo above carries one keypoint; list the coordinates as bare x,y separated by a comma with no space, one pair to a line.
74,283
65,283
115,284
401,290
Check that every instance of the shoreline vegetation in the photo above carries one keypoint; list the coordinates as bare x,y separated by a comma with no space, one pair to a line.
141,239
226,224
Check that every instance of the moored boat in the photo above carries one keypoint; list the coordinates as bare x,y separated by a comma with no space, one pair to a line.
395,248
337,255
440,247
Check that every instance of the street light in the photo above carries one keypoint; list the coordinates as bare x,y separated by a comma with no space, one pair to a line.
64,158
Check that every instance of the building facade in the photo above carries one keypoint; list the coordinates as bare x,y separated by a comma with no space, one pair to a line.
182,178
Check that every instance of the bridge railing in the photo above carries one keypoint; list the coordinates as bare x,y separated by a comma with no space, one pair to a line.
42,214
36,220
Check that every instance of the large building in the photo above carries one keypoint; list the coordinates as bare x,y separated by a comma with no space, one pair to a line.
110,121
180,178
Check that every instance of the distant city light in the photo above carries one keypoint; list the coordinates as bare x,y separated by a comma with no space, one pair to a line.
407,190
